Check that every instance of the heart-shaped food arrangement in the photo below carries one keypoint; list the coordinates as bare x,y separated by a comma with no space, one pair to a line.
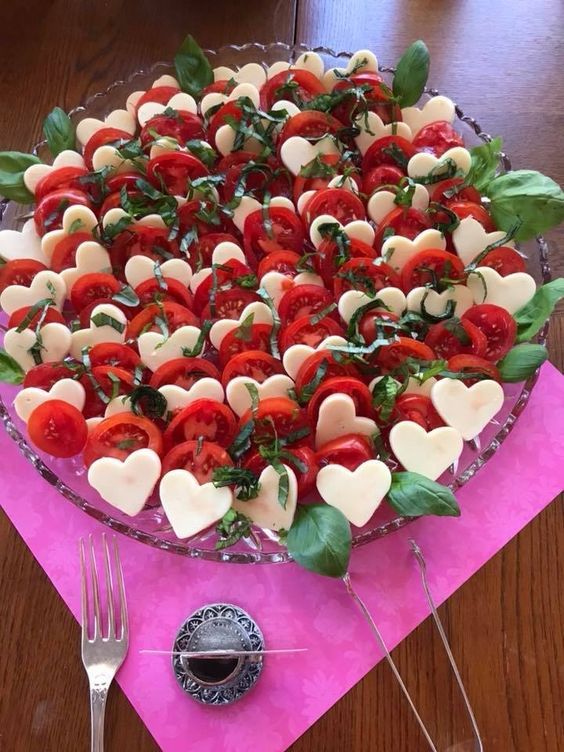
251,288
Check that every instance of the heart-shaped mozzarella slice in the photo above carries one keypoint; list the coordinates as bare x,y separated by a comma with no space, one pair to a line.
261,315
309,61
470,239
265,510
251,73
35,173
397,250
21,245
189,506
413,385
337,417
351,300
345,182
120,119
91,257
107,324
421,164
436,109
126,485
45,284
156,349
295,355
511,292
288,107
31,397
357,493
227,251
205,388
427,453
225,141
181,102
276,284
468,409
436,303
357,229
118,405
296,152
242,90
141,268
55,342
239,397
372,129
381,203
109,157
76,218
363,61
248,205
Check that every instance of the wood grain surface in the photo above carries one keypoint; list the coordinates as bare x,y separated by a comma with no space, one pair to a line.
499,59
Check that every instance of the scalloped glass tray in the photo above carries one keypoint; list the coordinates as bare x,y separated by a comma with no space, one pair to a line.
151,526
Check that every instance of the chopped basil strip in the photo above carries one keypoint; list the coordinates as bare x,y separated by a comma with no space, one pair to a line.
103,319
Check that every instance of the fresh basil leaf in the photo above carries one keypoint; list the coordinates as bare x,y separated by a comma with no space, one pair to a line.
533,315
126,296
193,69
413,495
148,402
246,483
13,164
58,130
411,74
232,527
526,196
485,161
10,370
384,396
320,540
521,362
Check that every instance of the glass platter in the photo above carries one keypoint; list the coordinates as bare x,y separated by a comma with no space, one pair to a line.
150,526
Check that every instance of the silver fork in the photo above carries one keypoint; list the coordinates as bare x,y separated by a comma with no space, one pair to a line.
103,650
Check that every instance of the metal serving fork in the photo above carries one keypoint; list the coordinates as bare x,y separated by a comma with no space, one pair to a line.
103,651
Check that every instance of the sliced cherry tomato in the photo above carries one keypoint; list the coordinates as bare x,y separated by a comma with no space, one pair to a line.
303,300
229,110
464,209
302,332
182,126
436,138
48,214
430,266
174,171
275,417
340,203
405,222
199,458
322,358
259,177
104,380
304,455
324,177
468,193
365,275
377,96
201,217
393,355
62,178
91,287
45,375
354,388
473,364
52,316
19,272
498,326
159,290
328,258
229,304
160,94
58,428
201,250
254,364
505,261
184,372
114,354
104,136
153,242
293,85
384,174
350,451
419,409
233,343
117,180
455,339
309,124
283,231
374,321
120,435
390,150
219,87
176,316
208,418
64,253
283,262
223,279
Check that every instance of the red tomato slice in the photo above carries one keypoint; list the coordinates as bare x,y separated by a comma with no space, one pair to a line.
60,179
427,267
57,428
91,287
283,262
212,420
363,274
174,171
505,261
437,138
152,242
309,124
384,174
350,451
219,87
199,458
393,355
201,216
114,136
234,343
183,126
390,150
154,290
473,364
284,231
468,193
371,320
405,222
304,86
121,435
260,177
340,203
201,250
498,326
310,366
64,253
275,417
229,304
328,260
378,98
224,278
348,385
19,272
176,316
256,463
114,354
302,184
464,209
52,316
465,338
103,380
44,375
184,372
254,364
84,315
48,214
302,332
230,110
160,94
303,300
419,409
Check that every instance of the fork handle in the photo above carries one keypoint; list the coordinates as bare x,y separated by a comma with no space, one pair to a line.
98,696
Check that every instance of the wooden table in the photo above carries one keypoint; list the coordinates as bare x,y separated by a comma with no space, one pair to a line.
500,60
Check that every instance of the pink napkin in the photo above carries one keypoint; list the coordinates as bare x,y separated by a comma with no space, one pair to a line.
294,608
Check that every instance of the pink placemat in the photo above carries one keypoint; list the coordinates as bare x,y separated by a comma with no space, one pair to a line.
294,607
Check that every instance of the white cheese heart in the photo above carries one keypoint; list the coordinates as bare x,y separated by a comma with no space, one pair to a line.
225,141
156,349
76,218
239,398
165,80
357,229
470,239
120,119
372,128
242,90
303,201
126,485
436,109
351,300
248,205
413,385
177,397
381,203
22,245
345,182
288,107
189,506
118,405
251,73
55,344
358,493
227,251
397,250
276,284
181,102
309,61
261,315
91,423
469,409
363,61
95,335
45,284
265,510
31,397
337,417
294,357
109,157
141,268
511,292
35,173
421,164
296,152
91,257
427,453
436,303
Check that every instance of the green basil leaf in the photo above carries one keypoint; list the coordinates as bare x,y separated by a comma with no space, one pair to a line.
526,196
147,401
58,131
13,164
320,540
10,370
521,362
411,74
485,161
532,316
193,69
413,495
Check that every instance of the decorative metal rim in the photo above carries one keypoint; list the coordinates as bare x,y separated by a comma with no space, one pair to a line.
277,557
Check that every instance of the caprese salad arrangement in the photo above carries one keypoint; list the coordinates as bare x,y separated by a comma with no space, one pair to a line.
251,285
